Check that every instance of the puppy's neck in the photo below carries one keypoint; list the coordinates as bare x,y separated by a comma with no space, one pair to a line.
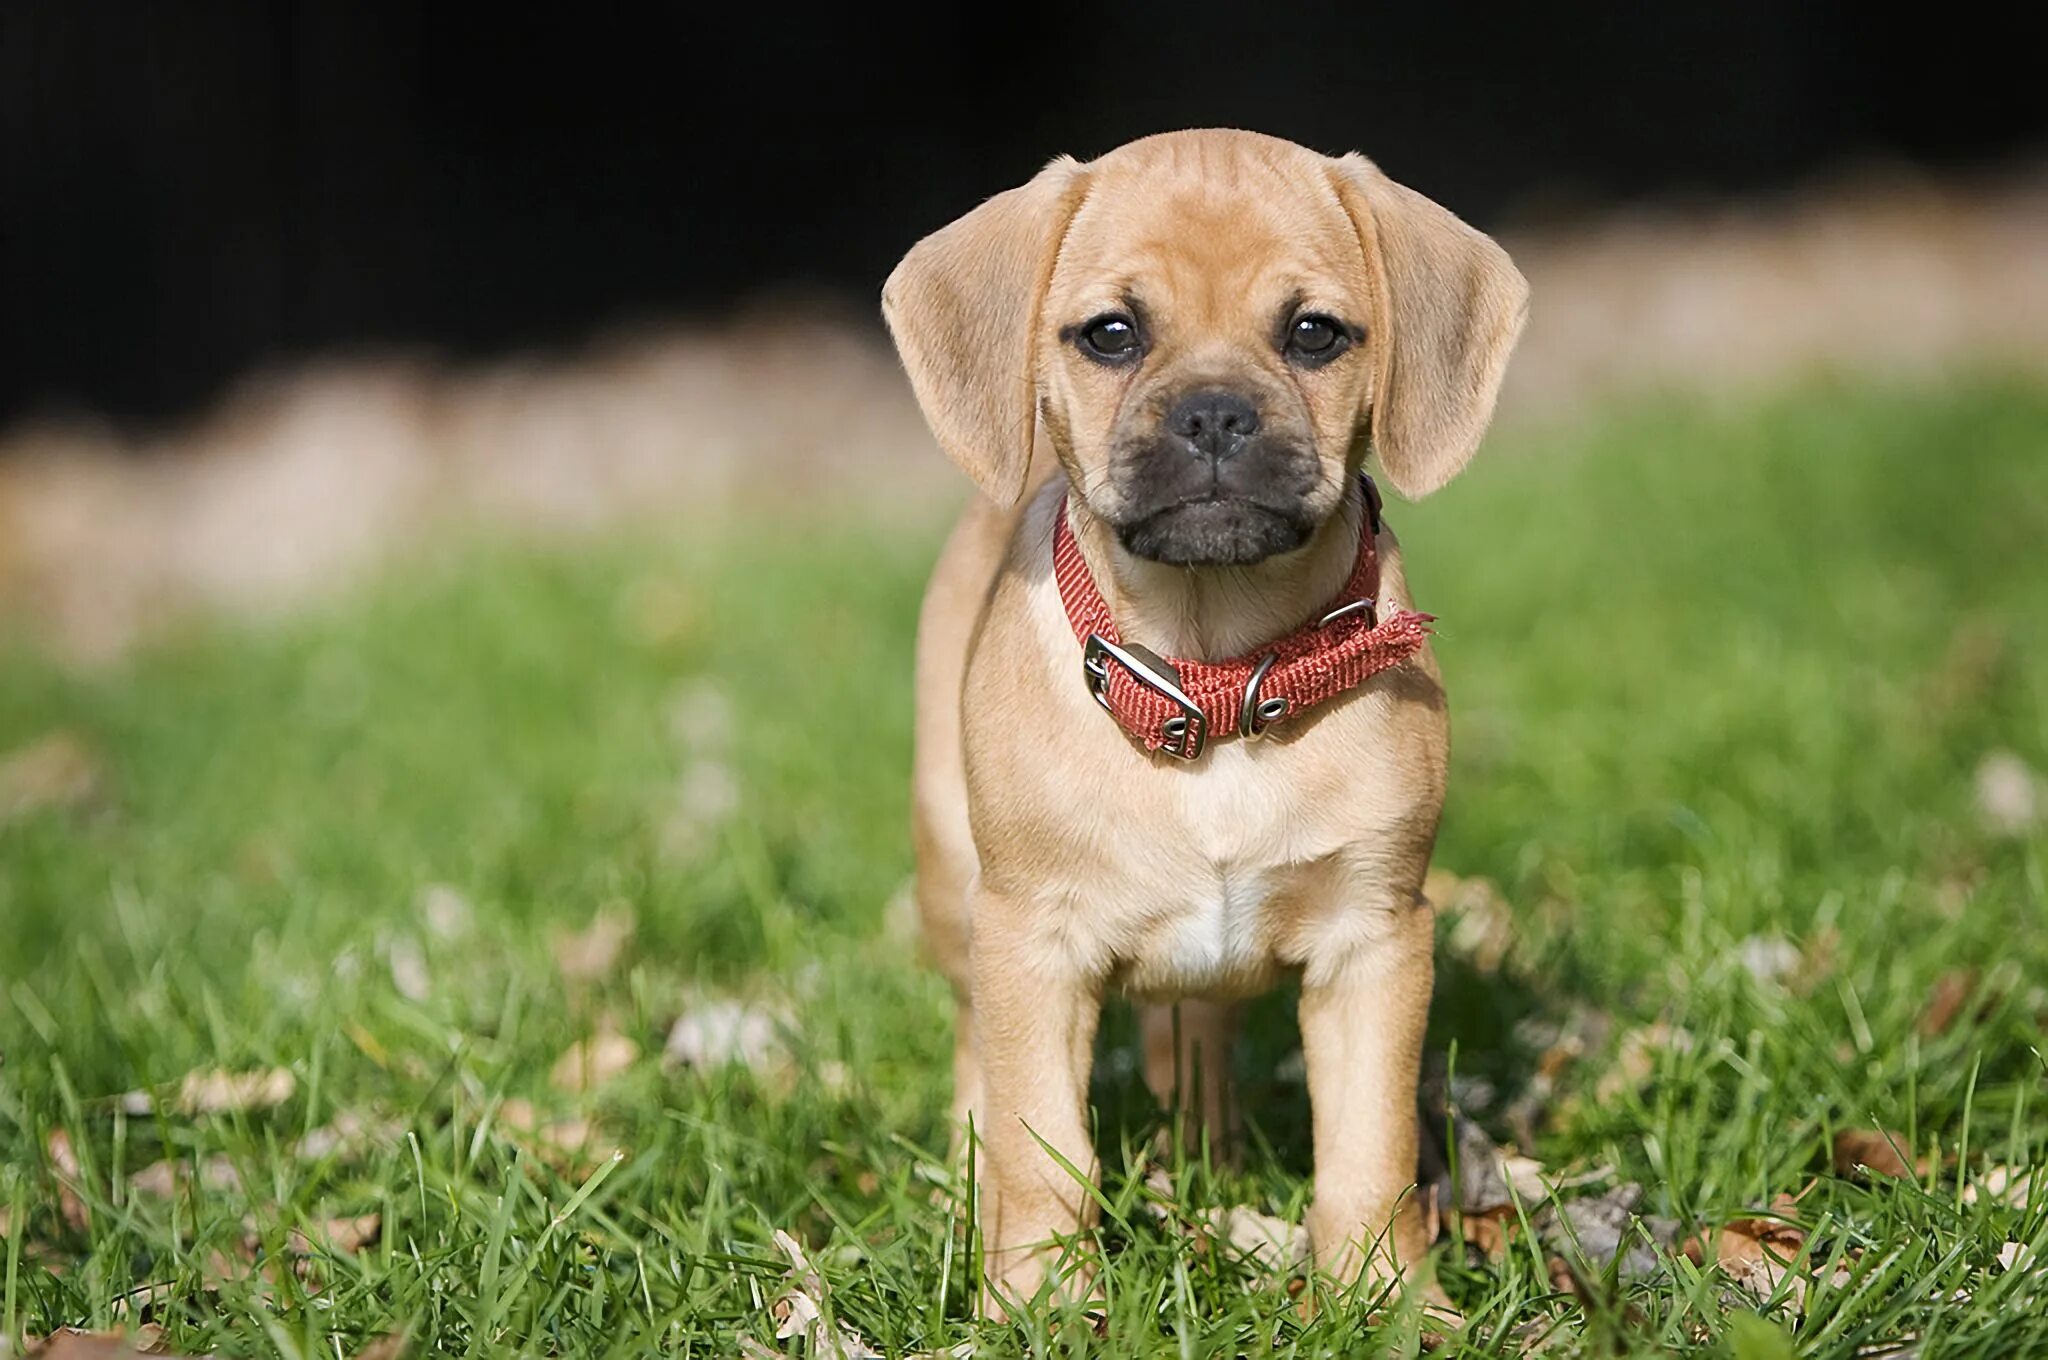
1214,613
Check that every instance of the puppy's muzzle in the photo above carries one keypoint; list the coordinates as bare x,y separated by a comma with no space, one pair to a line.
1215,423
1213,483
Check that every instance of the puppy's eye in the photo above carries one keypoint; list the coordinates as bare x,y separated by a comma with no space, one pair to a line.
1317,339
1111,339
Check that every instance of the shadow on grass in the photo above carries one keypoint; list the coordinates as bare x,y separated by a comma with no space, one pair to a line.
1474,1017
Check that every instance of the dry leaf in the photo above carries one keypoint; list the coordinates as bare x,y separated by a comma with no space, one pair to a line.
2008,795
700,716
408,962
561,1143
719,1033
1765,1255
1951,990
800,1311
592,953
344,1235
1759,1254
70,1344
64,1161
1770,959
594,1061
447,913
1636,1059
2010,1186
1270,1242
57,771
164,1179
160,1180
1482,923
704,799
217,1091
1880,1150
348,1134
1558,1045
391,1346
1492,1234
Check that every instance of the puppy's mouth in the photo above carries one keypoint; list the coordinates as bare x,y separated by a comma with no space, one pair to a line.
1215,531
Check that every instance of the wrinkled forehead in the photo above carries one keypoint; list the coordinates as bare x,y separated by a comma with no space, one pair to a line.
1209,239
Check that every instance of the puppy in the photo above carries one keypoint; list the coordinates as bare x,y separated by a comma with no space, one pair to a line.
1178,729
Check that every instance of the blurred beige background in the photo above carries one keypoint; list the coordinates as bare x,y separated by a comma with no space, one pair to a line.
304,476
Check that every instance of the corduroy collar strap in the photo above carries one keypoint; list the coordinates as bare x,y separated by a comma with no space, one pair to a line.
1177,707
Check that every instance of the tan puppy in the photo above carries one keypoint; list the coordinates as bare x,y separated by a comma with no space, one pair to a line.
1209,332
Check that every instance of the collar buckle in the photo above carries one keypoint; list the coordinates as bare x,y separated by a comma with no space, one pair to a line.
1187,732
1255,713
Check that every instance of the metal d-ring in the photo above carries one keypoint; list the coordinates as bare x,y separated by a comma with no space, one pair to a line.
1253,713
1345,611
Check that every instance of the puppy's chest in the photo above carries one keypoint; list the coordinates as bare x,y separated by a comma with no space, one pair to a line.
1224,888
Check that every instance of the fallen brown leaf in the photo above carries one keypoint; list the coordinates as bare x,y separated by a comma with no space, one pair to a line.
57,771
410,975
1882,1151
1493,1234
592,953
218,1091
159,1180
562,1143
344,1235
392,1346
348,1134
2008,794
722,1032
64,1161
1945,1002
1559,1043
70,1344
162,1180
1482,922
1636,1059
701,716
2010,1186
800,1311
1770,959
594,1061
704,800
1261,1238
447,912
1760,1255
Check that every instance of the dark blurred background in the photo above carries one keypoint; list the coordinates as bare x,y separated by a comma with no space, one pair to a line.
187,189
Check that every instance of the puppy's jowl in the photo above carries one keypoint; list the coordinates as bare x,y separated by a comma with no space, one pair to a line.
1178,728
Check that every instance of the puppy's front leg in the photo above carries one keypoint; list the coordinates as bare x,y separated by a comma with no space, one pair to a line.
1036,1014
1362,1021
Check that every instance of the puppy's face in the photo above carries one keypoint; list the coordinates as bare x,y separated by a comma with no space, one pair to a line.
1206,333
1211,327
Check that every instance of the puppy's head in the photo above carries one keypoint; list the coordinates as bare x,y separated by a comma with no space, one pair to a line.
1214,328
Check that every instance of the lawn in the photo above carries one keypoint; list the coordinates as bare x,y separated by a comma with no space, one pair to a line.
503,953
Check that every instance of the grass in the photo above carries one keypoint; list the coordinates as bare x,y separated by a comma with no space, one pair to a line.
1720,675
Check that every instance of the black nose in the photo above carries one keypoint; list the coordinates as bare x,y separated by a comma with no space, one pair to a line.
1216,422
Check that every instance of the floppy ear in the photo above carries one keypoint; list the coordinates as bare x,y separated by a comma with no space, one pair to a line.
1450,304
963,308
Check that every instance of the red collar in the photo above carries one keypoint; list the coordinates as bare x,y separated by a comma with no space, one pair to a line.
1178,706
